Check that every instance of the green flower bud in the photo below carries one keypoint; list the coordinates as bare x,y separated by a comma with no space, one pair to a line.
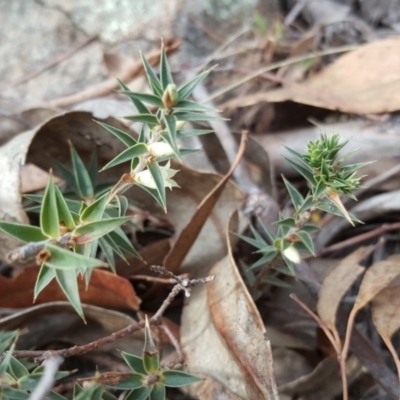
170,97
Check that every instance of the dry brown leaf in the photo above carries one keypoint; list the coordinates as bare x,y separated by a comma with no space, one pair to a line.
377,277
337,283
105,290
386,310
364,81
224,339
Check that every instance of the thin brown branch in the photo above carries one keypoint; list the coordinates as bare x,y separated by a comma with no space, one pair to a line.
360,238
40,355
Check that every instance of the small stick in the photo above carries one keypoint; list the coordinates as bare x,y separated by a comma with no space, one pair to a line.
40,355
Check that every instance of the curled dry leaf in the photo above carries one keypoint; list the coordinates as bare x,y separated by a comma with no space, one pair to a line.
337,283
386,309
224,339
377,277
105,290
364,81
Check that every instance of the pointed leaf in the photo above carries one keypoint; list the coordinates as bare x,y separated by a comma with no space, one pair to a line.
68,260
120,238
140,393
306,240
14,394
67,281
297,198
95,211
165,72
94,230
173,378
26,233
93,168
158,392
152,77
266,258
68,176
187,88
131,152
304,171
170,137
195,117
193,132
45,276
49,222
187,105
274,281
148,119
142,109
64,214
147,98
124,137
108,253
156,173
134,362
82,177
290,222
17,369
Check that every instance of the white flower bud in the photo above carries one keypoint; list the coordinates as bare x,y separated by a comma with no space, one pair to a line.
160,149
146,179
292,254
180,125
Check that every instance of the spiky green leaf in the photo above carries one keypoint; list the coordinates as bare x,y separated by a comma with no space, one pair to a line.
95,211
134,362
306,239
49,222
173,378
26,233
68,284
130,153
94,230
187,88
154,82
124,137
68,260
82,177
145,97
156,173
297,198
45,276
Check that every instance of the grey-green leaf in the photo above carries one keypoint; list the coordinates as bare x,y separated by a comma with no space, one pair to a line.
152,77
134,362
165,72
82,176
49,222
178,378
124,137
156,173
95,230
187,88
147,98
95,211
68,260
68,284
26,233
136,150
297,198
45,276
306,239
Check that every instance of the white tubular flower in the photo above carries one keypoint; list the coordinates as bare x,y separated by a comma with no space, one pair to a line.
292,254
160,149
146,179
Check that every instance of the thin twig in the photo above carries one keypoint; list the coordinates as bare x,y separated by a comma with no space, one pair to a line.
40,355
270,67
359,238
46,382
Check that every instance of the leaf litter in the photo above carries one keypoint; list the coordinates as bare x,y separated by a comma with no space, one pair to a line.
223,331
